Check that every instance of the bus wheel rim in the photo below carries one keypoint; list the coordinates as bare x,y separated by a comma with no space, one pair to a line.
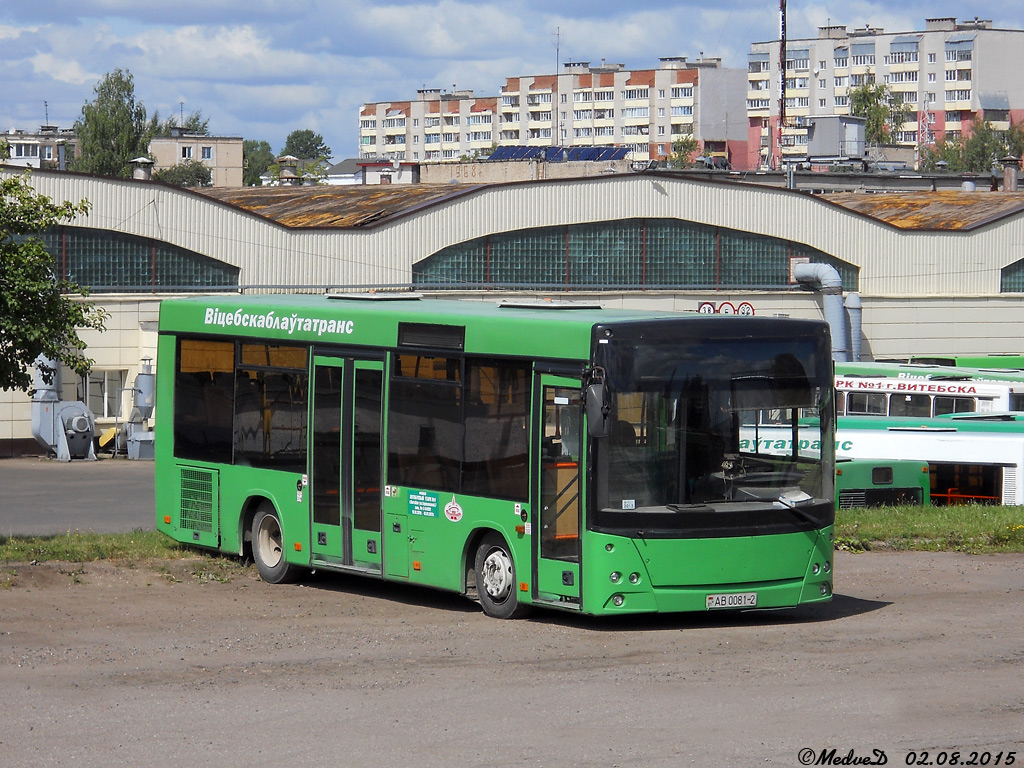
269,541
497,575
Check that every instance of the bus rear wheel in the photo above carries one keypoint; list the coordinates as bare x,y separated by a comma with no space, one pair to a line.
496,585
268,547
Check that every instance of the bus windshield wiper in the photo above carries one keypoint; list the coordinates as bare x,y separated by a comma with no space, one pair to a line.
685,507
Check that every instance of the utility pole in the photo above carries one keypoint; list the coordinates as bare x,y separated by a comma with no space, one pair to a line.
782,74
556,138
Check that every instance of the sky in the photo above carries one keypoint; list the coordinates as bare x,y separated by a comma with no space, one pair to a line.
261,69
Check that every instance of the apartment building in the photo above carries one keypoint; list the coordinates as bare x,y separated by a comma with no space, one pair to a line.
49,147
221,154
436,126
951,73
643,110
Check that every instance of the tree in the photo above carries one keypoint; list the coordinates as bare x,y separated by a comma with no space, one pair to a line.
885,113
38,316
257,157
113,129
195,123
683,151
978,152
191,173
306,145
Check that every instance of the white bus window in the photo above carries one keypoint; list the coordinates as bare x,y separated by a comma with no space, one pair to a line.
910,405
945,404
864,404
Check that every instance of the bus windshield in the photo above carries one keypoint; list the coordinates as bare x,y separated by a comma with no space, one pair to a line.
718,437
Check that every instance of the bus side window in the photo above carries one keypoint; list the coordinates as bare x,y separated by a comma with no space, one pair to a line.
204,392
840,403
910,405
865,404
954,405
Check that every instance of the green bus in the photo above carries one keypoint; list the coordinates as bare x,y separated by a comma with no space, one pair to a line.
1013,360
522,454
882,483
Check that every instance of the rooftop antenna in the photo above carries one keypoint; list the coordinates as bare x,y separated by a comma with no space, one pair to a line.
181,114
46,113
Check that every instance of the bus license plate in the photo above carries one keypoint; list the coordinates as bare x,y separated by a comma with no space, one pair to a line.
733,600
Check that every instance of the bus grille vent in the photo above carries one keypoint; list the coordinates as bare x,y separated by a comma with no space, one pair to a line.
1009,486
852,499
197,500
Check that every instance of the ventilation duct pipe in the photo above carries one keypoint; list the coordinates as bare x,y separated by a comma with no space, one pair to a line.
826,280
853,312
62,427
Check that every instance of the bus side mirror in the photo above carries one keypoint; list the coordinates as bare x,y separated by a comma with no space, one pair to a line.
598,411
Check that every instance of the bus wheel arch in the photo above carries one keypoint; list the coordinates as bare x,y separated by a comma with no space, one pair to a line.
267,543
494,572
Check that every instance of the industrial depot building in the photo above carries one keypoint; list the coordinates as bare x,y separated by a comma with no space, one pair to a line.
936,272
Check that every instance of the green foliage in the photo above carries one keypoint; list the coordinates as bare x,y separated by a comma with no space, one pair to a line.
191,173
979,152
113,129
257,157
37,314
308,172
306,145
885,114
683,151
195,123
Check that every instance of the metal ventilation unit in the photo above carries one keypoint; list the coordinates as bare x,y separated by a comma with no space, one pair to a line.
138,434
63,427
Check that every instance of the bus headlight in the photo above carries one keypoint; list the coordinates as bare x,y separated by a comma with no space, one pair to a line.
816,569
828,566
634,578
825,588
618,600
615,577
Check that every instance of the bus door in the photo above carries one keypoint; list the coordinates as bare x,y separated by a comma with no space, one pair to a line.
345,462
557,499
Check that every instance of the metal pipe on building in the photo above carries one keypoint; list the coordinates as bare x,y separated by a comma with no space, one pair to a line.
854,314
825,279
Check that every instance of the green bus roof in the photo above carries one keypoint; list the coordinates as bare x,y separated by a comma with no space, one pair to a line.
927,371
533,328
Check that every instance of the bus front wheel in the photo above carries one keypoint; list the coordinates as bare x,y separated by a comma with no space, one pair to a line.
496,585
268,547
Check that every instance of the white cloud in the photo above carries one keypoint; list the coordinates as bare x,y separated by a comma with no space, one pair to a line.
62,69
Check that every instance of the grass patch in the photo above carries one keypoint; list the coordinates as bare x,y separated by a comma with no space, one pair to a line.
79,547
969,528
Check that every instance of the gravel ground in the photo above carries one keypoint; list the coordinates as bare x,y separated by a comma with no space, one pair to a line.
198,663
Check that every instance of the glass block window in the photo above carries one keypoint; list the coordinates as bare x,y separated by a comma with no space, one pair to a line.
103,260
1011,278
628,253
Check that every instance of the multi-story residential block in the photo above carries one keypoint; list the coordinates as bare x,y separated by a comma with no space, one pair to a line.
221,154
643,110
951,73
50,147
436,126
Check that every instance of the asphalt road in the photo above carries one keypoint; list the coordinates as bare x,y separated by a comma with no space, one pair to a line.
191,663
45,496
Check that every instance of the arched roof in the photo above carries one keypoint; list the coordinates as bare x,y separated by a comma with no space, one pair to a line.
914,243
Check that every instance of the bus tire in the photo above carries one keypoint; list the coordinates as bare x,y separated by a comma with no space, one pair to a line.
496,585
268,547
